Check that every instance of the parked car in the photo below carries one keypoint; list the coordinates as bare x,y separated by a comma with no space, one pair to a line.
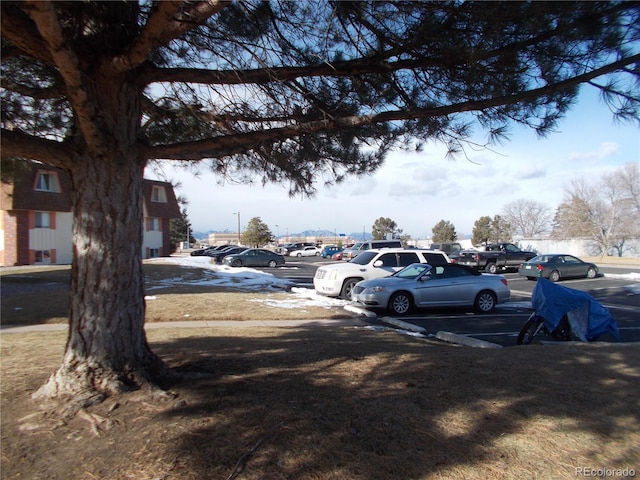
346,250
446,247
337,255
338,279
305,252
369,245
201,251
454,256
254,257
209,249
420,285
495,257
557,266
329,250
290,247
218,255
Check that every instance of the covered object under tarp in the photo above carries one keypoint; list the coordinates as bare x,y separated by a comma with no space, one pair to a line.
587,317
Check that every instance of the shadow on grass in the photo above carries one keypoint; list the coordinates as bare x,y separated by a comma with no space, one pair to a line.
334,404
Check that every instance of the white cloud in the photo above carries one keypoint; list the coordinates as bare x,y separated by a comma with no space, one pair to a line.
533,171
606,149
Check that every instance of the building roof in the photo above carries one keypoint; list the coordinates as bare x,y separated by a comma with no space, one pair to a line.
19,192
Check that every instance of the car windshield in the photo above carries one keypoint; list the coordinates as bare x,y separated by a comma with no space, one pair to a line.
364,258
412,271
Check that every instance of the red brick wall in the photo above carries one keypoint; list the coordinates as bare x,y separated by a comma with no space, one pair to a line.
16,238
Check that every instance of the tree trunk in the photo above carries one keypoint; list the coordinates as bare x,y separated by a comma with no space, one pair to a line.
107,350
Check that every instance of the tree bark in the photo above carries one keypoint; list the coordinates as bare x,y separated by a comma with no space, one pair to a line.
107,350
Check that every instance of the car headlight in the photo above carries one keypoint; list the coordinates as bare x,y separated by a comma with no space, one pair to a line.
370,290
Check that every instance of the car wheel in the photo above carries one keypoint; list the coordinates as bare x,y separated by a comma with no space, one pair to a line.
299,255
591,273
236,263
347,287
273,264
491,268
554,276
485,302
400,303
317,254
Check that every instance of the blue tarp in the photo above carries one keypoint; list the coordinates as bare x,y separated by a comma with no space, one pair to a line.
587,317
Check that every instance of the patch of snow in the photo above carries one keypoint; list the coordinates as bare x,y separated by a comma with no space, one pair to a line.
223,275
632,288
635,276
303,297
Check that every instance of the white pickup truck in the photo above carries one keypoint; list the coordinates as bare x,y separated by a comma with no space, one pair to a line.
338,279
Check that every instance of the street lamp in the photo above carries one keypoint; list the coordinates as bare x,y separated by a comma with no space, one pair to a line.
238,214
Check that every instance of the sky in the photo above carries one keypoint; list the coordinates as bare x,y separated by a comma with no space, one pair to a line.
417,190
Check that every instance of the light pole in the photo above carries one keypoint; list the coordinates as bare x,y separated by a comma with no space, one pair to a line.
238,214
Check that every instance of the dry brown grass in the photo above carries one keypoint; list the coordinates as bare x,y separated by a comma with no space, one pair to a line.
346,403
331,403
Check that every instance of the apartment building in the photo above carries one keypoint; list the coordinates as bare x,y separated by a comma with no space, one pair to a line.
36,217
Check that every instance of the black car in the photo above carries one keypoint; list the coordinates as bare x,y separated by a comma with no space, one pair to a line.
206,251
254,257
218,255
202,251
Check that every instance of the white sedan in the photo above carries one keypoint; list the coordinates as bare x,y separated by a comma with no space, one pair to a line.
306,252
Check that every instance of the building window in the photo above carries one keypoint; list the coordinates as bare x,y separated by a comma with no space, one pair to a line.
158,194
154,224
43,256
42,220
47,182
154,252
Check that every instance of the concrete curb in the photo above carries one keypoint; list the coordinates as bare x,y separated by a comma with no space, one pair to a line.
444,336
403,325
465,340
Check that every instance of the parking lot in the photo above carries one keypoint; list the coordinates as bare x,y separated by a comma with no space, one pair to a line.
614,288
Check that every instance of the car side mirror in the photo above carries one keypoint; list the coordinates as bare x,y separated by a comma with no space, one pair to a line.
378,263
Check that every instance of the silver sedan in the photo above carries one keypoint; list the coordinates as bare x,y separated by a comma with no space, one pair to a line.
421,285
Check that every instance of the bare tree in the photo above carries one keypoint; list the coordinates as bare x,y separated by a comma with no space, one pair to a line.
306,93
528,217
606,211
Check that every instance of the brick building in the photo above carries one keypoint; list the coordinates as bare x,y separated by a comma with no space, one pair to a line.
36,217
